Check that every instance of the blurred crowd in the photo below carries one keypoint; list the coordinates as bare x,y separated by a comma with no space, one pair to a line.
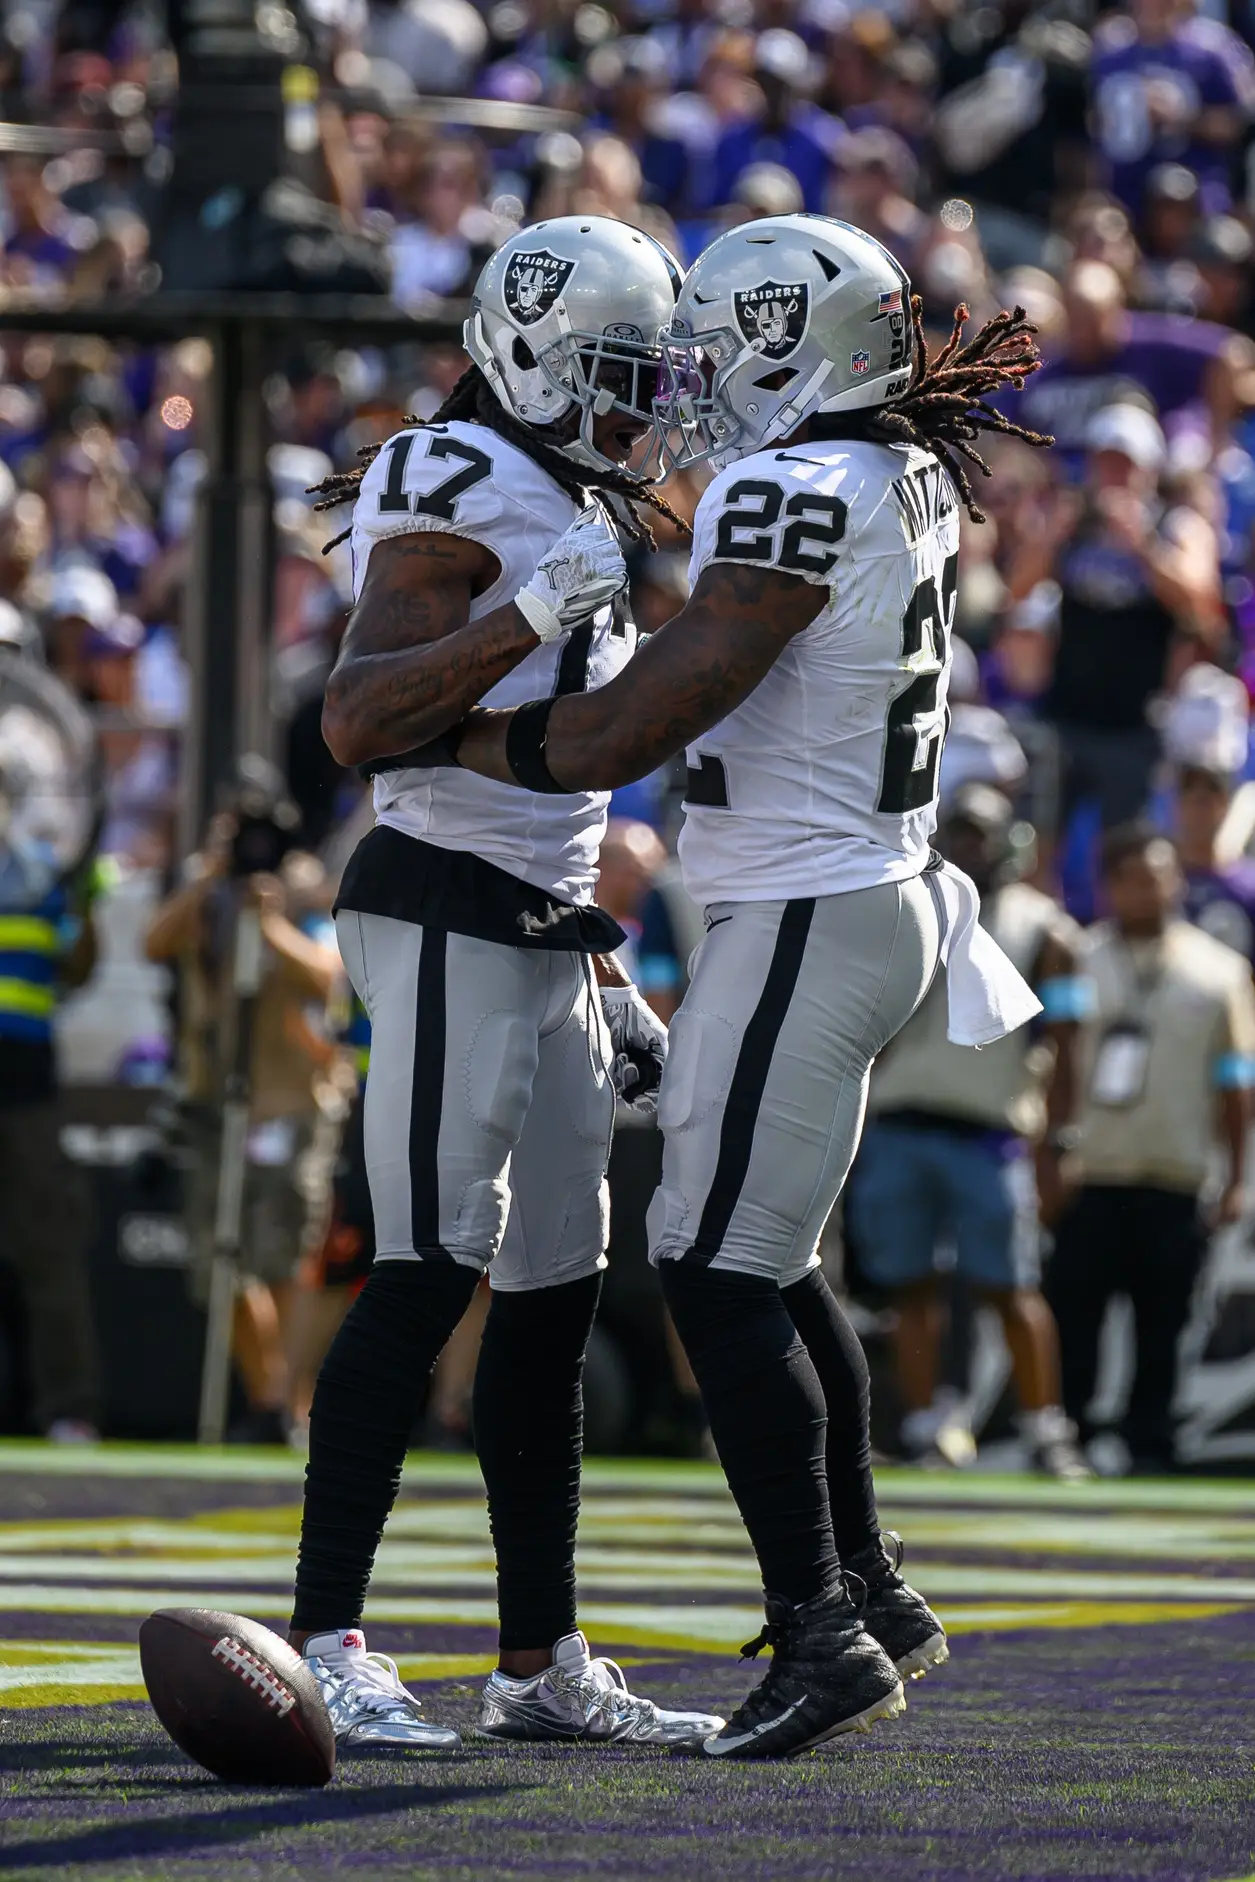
1093,163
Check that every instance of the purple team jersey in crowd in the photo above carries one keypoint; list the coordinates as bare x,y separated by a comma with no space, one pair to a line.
1222,903
1163,356
1203,64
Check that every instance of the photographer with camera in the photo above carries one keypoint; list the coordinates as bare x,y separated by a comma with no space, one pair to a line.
248,864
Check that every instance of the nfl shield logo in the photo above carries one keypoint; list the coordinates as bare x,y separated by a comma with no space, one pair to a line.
860,362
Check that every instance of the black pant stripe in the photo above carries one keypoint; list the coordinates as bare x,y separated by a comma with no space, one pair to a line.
745,1093
427,1093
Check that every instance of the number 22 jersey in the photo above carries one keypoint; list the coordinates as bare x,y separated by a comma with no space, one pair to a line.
825,779
462,479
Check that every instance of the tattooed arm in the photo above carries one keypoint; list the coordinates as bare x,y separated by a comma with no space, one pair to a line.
410,663
687,677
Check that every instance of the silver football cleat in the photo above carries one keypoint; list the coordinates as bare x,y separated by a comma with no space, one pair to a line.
365,1697
579,1698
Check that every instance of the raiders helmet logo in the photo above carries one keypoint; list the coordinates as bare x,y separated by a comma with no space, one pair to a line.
533,282
775,314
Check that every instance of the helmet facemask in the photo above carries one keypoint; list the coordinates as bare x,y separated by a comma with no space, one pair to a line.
600,373
696,421
693,422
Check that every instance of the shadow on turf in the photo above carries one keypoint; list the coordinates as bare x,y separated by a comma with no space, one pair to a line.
188,1834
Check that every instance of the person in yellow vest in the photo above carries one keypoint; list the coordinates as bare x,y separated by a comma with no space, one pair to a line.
947,1161
1164,1071
47,946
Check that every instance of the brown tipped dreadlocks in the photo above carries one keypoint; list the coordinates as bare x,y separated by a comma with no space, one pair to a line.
472,398
944,409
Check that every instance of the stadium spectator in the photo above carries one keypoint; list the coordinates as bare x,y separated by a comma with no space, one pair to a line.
875,189
1168,279
609,182
1011,129
443,227
1188,370
638,80
43,242
947,1159
1221,256
1205,737
790,130
1165,1067
1138,589
1170,88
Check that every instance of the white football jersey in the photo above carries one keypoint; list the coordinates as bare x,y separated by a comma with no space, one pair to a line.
464,480
825,779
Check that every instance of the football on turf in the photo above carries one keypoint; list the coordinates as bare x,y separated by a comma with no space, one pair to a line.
236,1698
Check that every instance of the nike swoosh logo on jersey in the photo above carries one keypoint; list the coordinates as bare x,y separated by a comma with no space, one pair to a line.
747,1738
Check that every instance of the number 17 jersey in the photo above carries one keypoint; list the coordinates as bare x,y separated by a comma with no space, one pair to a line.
824,780
464,479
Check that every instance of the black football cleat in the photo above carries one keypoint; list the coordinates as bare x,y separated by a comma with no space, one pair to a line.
893,1613
827,1675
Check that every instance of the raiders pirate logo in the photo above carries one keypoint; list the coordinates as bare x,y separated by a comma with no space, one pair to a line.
533,282
775,314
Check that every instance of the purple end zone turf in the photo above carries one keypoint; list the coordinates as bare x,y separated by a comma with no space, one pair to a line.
1114,1753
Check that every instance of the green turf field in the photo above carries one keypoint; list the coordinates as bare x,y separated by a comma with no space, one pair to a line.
1097,1718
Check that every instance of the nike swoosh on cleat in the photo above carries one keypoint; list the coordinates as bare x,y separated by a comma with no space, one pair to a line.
747,1738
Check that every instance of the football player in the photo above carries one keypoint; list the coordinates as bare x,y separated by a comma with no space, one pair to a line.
467,923
807,675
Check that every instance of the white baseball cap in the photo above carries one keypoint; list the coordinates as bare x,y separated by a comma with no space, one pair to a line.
86,594
1206,721
1132,431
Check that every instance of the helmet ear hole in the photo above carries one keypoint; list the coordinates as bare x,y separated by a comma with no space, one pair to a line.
522,354
778,380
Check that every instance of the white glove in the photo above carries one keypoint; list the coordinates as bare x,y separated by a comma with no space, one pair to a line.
638,1045
581,573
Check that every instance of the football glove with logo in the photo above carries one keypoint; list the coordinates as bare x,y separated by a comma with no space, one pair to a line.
581,573
638,1044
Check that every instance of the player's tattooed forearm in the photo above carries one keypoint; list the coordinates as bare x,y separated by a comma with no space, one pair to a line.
378,703
692,673
411,664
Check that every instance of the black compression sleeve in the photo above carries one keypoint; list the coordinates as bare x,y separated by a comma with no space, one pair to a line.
365,1404
837,1356
529,1429
767,1418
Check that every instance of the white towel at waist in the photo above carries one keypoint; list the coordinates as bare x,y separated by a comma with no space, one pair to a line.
988,996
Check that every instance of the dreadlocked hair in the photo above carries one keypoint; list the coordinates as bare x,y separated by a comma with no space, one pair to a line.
944,408
473,398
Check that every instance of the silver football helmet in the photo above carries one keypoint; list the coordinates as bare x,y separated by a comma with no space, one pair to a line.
569,313
777,320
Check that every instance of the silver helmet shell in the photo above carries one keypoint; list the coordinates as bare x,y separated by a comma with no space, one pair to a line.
569,313
777,320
